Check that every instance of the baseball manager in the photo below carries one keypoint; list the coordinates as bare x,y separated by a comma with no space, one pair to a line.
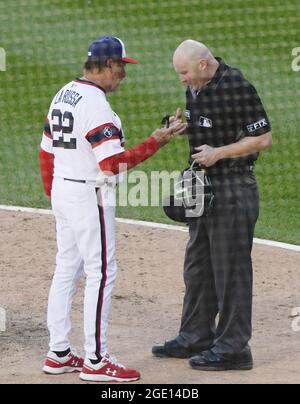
82,153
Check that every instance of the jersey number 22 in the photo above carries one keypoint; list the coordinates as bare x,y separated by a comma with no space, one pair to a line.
64,126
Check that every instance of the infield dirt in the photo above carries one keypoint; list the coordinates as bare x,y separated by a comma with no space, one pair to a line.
146,306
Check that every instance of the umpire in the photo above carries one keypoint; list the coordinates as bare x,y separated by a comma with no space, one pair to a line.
227,128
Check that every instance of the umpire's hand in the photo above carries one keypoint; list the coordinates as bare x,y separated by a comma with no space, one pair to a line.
177,117
207,155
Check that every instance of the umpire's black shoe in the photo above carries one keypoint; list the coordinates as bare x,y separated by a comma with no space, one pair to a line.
210,361
172,349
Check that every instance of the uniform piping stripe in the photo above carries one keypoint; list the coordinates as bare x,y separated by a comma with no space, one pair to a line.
47,129
93,131
105,140
89,83
103,281
48,135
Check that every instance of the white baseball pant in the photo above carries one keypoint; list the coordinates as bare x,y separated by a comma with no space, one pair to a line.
86,243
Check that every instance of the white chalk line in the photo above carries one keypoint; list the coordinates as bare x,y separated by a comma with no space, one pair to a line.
153,225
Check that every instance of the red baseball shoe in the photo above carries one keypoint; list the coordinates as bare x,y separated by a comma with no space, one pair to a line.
108,370
57,366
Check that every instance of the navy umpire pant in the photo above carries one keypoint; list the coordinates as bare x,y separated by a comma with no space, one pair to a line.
218,269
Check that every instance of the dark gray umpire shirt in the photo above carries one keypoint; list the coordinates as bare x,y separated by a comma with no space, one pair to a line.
218,266
224,111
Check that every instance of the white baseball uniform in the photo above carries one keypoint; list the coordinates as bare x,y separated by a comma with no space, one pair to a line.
81,130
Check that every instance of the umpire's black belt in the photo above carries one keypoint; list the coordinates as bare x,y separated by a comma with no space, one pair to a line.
236,170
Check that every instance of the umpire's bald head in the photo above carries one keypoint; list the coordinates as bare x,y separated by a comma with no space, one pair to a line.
193,50
194,63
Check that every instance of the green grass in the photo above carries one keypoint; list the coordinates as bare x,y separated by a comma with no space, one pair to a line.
46,43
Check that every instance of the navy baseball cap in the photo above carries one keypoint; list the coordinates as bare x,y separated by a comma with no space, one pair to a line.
109,47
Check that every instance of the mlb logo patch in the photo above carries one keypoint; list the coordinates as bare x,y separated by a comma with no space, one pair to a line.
205,122
188,114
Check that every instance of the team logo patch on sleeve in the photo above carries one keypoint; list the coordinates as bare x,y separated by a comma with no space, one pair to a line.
257,125
107,132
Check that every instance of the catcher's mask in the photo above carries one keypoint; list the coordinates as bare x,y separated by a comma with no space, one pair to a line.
193,196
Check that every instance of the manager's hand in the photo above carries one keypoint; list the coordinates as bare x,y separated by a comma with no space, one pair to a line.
164,135
176,119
